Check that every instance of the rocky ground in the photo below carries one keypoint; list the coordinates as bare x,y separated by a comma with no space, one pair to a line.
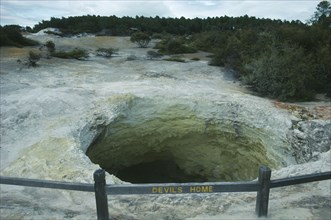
52,113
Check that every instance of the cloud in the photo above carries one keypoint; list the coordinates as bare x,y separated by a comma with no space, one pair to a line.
30,12
274,9
127,8
281,9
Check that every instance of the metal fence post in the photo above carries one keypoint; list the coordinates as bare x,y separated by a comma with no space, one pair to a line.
100,194
262,198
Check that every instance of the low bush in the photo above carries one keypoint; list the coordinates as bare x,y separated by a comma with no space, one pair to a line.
153,54
131,58
157,36
141,39
175,59
33,58
174,46
106,52
50,46
73,54
284,73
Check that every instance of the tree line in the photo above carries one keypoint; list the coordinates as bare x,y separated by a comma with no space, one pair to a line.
121,26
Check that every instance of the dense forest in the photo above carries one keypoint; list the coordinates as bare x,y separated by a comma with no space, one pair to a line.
286,60
10,35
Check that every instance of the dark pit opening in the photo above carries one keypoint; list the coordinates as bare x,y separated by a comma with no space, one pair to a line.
159,171
150,144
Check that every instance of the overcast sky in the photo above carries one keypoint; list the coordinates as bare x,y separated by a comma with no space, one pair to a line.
29,13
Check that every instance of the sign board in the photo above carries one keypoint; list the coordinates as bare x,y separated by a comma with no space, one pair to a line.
181,188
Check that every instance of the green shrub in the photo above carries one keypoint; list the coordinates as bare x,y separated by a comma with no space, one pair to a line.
230,55
131,58
284,73
157,36
50,46
160,45
153,54
33,58
141,39
207,41
175,59
73,54
106,52
174,46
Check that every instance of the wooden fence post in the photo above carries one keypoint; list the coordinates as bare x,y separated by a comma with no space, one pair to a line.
100,194
262,198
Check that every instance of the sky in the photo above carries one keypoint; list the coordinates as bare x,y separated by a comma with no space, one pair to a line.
29,13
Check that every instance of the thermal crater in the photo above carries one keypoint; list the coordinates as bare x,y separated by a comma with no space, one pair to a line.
159,140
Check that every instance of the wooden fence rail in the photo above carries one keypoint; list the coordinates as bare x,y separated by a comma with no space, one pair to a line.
262,187
85,187
300,179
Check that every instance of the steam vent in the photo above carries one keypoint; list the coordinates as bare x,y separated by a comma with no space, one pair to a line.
160,141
